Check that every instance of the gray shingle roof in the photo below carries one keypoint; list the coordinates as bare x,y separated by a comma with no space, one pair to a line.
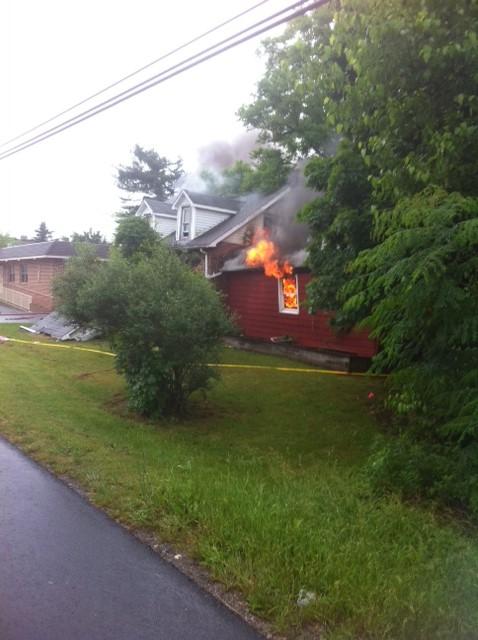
52,248
160,207
219,202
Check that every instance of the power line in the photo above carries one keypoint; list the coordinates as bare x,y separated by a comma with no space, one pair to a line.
134,73
173,71
298,3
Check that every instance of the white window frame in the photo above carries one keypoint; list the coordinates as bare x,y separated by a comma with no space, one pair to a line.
280,293
185,228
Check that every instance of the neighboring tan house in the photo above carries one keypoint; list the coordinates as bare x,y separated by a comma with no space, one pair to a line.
27,272
220,230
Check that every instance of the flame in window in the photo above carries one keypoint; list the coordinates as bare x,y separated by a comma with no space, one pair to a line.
289,293
265,253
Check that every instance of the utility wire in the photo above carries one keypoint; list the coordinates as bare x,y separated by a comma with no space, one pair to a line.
134,73
173,71
299,3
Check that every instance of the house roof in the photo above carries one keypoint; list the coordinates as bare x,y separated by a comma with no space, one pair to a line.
159,207
217,202
252,206
50,249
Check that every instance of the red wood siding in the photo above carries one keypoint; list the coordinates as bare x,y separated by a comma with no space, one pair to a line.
41,273
253,298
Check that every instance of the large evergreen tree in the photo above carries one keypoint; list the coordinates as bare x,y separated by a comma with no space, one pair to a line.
42,234
149,174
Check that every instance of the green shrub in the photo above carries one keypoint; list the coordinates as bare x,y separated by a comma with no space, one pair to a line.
418,470
164,322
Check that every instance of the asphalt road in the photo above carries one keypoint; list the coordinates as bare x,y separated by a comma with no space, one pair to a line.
67,572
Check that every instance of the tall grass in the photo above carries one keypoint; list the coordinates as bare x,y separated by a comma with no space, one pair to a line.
377,568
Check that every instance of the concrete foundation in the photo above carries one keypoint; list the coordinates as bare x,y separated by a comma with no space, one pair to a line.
324,359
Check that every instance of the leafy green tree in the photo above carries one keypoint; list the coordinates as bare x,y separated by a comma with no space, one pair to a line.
149,174
134,236
407,99
164,322
288,108
397,81
267,172
72,296
42,234
5,240
418,289
93,237
340,223
402,84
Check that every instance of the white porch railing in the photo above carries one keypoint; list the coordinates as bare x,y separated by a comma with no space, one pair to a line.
15,298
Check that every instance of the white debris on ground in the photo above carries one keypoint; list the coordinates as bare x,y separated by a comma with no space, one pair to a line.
306,598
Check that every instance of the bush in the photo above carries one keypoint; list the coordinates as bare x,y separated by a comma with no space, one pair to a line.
419,285
164,322
420,470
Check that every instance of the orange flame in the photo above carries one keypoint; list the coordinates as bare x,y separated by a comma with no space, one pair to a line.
289,292
264,253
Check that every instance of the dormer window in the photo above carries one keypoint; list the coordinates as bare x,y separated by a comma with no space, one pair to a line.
185,228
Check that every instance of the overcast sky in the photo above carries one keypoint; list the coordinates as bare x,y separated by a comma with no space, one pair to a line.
56,52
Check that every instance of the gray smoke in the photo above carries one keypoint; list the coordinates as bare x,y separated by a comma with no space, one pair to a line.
286,231
290,234
220,155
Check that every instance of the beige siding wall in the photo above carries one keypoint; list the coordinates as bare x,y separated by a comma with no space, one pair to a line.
238,236
164,226
40,274
206,219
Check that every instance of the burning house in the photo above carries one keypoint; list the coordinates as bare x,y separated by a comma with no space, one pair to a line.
253,248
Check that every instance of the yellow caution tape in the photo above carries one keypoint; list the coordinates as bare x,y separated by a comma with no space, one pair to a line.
222,366
298,370
60,346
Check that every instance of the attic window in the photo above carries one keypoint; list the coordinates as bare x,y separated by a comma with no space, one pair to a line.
185,229
288,294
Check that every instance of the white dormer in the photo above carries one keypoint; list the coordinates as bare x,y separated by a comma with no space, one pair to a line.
161,216
199,212
185,217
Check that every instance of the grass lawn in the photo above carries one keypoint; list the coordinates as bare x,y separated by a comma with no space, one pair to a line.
262,486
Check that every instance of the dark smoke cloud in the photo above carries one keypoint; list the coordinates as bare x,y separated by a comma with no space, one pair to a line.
286,231
290,234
